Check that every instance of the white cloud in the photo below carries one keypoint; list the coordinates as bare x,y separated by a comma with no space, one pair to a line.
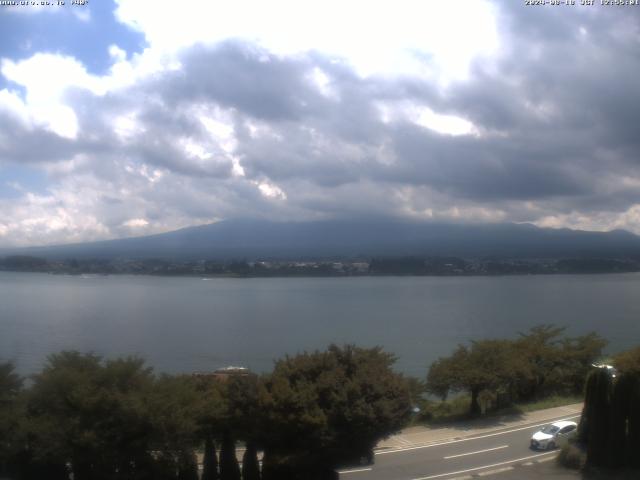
136,223
46,77
116,53
82,14
375,37
629,219
425,117
13,104
270,190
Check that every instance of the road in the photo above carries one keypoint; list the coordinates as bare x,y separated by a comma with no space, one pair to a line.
476,455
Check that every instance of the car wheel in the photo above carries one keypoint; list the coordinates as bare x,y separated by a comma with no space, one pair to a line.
551,445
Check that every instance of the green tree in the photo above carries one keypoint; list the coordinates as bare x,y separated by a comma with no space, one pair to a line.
488,365
577,356
594,423
633,419
91,414
229,468
210,460
187,466
539,363
628,361
621,404
11,417
540,351
250,465
174,409
324,408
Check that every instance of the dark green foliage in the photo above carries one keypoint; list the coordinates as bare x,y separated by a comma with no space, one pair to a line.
187,466
571,456
229,468
540,351
210,460
11,429
329,407
243,414
537,364
577,356
609,426
619,413
633,422
91,414
595,417
250,465
628,361
24,263
489,365
105,418
28,466
174,407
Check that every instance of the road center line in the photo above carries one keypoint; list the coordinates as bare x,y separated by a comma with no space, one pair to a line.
448,442
355,470
479,451
515,460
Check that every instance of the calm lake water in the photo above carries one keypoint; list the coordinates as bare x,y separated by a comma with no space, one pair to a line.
189,324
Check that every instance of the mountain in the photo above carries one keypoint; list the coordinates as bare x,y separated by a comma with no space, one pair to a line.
260,239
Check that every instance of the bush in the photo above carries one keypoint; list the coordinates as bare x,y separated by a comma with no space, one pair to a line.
452,409
571,456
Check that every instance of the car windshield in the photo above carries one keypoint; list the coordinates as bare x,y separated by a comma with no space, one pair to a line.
550,429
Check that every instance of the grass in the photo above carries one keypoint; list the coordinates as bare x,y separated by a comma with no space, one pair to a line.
550,402
457,409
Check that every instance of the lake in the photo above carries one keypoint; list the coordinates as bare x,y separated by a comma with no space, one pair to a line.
193,324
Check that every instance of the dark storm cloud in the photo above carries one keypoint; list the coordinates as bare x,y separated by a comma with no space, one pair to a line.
239,76
554,112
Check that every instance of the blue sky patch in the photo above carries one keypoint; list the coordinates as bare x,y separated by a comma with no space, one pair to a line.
16,180
63,32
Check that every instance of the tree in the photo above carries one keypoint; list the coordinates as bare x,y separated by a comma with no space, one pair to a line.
210,460
174,408
250,465
11,417
628,361
445,373
324,408
489,365
577,356
539,349
610,423
594,423
537,364
91,414
229,468
620,406
633,425
187,466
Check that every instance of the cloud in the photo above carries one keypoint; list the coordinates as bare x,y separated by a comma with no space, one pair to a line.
534,122
373,37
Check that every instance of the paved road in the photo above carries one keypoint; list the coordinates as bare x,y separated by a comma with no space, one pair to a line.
479,454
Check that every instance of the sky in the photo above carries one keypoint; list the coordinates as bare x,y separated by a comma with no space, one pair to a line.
133,117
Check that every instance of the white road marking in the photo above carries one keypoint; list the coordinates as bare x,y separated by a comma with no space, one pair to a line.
355,470
494,471
483,467
398,450
473,453
544,460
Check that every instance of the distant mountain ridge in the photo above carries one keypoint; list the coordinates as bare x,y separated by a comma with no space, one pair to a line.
360,238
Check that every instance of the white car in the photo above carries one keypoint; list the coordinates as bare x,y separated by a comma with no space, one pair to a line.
554,435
